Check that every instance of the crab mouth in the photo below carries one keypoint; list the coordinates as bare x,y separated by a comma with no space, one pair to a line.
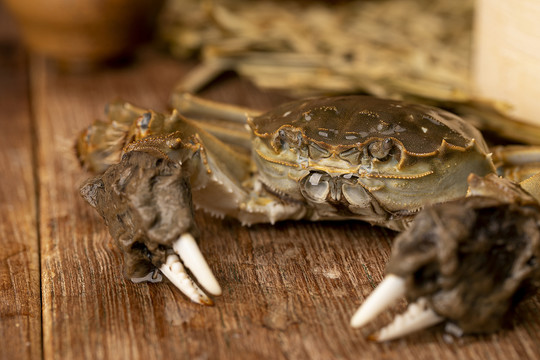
352,193
321,186
346,189
342,197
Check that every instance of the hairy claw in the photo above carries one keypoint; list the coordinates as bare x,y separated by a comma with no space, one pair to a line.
468,262
152,222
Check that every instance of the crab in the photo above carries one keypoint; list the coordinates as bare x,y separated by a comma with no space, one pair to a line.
335,158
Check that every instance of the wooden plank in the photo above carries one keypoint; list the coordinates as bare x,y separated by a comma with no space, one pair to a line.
87,309
289,289
20,304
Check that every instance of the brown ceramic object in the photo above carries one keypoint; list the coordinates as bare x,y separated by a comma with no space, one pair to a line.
84,32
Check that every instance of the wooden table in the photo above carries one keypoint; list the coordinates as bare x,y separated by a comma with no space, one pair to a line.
289,289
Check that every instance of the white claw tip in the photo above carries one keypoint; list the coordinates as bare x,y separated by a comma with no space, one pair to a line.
175,272
181,280
186,247
187,254
388,291
418,316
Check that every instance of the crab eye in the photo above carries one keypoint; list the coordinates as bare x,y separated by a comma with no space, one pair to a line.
287,138
381,149
144,121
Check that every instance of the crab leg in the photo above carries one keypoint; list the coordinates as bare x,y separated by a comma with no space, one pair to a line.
517,162
204,74
193,106
532,186
226,122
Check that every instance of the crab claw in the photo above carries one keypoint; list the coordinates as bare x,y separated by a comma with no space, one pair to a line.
188,253
468,262
146,202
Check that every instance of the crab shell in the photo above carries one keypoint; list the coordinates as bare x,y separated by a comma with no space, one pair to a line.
363,157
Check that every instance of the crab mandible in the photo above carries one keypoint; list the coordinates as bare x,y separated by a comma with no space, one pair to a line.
349,157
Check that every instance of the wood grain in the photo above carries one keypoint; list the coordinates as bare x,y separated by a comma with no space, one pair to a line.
20,304
288,290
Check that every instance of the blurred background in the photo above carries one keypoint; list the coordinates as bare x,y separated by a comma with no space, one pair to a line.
480,59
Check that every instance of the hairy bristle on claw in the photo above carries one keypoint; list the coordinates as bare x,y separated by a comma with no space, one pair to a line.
418,316
388,291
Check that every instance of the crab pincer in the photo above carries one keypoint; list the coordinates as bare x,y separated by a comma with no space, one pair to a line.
187,253
467,262
146,202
